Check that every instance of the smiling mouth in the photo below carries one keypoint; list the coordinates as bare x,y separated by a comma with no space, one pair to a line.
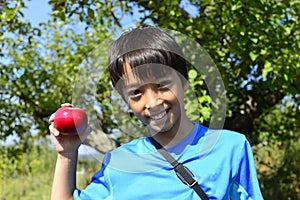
159,115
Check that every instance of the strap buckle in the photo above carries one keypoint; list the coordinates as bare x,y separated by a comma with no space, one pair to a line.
185,175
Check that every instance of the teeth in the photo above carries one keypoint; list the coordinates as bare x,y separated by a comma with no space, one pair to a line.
158,116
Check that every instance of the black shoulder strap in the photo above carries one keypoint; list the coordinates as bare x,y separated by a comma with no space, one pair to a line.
183,173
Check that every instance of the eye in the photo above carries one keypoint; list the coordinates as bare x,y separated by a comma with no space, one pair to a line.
164,84
135,93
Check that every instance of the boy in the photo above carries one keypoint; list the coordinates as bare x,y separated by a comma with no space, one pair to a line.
147,68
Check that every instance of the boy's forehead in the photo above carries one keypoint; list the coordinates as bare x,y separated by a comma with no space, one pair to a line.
150,73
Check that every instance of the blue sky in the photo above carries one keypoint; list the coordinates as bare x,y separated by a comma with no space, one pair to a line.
37,11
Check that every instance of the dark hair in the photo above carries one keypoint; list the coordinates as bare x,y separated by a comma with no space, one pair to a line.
144,46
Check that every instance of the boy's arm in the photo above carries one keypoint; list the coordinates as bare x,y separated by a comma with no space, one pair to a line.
64,182
246,185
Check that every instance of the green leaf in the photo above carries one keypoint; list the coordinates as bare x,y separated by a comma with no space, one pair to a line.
263,52
221,53
235,7
192,74
91,13
267,69
288,30
253,56
255,40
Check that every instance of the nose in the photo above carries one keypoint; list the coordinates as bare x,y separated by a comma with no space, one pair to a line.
152,98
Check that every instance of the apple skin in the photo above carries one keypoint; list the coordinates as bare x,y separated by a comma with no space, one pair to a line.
70,121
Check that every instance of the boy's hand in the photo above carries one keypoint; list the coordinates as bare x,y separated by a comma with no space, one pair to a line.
67,143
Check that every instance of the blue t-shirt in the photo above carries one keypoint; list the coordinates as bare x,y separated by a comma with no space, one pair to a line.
221,161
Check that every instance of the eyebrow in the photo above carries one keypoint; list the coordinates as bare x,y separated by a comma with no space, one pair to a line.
132,85
138,85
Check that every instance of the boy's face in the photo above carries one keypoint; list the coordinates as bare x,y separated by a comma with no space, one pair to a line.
157,98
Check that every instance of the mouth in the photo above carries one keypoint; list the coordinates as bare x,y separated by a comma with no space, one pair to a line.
159,116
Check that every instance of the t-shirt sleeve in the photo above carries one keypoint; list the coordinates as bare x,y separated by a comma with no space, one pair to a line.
99,188
246,184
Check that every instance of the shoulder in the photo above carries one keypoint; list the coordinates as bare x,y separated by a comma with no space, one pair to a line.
233,136
228,136
223,142
232,143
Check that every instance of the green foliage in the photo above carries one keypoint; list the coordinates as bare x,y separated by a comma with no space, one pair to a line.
277,156
203,101
87,166
26,168
37,75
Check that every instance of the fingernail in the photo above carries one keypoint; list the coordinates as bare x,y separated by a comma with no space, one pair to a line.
56,133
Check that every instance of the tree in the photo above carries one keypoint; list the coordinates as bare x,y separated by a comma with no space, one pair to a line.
277,156
38,71
254,44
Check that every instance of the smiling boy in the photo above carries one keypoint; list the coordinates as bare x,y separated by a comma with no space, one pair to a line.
157,101
149,71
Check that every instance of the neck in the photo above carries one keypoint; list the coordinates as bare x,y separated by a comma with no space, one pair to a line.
175,134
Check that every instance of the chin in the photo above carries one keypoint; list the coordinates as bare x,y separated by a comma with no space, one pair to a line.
157,129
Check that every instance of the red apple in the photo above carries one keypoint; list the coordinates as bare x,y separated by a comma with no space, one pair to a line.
69,120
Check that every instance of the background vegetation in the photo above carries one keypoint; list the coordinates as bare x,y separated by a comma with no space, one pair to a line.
255,45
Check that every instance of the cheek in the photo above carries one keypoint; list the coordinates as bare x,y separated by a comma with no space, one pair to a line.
137,110
174,96
136,107
140,117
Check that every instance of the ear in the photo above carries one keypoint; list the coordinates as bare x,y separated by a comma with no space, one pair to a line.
130,112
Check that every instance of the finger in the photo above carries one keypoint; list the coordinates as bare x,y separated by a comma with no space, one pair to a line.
53,130
51,118
66,105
